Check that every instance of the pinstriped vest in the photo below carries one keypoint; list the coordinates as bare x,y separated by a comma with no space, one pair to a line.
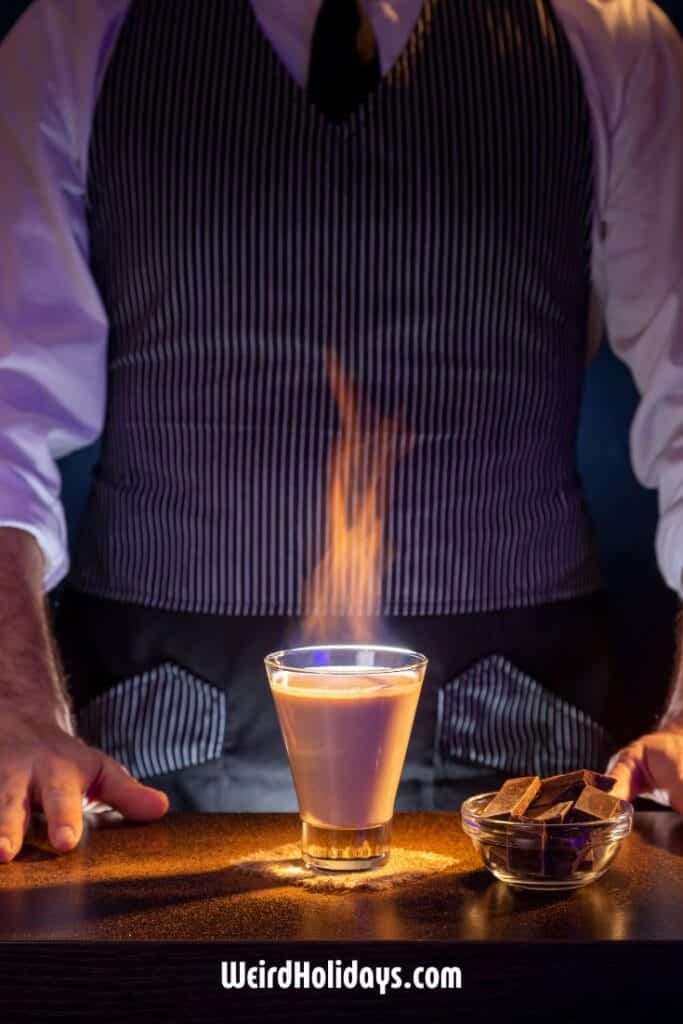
439,241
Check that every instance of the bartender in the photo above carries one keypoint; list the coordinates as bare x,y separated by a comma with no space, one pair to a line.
199,202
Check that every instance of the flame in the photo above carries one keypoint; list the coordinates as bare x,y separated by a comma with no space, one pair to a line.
345,586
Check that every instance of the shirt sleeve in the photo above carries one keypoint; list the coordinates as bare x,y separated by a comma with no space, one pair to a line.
53,326
639,256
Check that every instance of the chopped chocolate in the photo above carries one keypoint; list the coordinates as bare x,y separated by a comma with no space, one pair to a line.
564,852
513,797
564,781
498,858
540,847
560,862
550,815
594,805
603,782
528,859
560,788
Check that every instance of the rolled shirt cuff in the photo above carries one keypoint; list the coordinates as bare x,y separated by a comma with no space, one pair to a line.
44,522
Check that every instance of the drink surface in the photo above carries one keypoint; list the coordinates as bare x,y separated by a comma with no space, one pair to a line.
346,734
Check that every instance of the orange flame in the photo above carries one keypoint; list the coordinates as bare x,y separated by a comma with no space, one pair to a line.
344,588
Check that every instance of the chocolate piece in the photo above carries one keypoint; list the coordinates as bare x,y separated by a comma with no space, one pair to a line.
594,805
527,860
564,781
558,789
551,815
513,797
560,864
602,782
564,853
497,857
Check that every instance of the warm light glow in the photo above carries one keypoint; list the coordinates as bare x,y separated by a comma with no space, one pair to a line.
346,583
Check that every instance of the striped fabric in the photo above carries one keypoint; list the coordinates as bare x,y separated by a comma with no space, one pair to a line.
157,722
438,241
497,716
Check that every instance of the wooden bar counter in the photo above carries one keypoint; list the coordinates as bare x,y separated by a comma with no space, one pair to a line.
175,880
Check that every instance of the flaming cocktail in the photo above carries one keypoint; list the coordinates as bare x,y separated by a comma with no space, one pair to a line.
346,713
346,710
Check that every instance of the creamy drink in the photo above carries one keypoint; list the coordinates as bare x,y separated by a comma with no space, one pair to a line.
346,737
346,728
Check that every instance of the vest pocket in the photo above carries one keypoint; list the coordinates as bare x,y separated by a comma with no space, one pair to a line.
158,721
497,716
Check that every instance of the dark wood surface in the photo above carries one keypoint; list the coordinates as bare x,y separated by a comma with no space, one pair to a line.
175,880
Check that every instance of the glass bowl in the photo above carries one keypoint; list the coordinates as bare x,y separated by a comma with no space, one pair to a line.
539,856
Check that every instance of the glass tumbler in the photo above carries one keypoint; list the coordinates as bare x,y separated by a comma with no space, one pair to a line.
346,712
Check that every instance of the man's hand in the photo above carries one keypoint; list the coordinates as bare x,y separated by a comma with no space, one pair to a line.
42,763
652,765
43,766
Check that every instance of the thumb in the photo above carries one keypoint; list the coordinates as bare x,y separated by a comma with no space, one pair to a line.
622,771
121,791
629,769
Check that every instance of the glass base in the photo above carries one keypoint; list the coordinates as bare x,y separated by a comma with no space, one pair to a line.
345,849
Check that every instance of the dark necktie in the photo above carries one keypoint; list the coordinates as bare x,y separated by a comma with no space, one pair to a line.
344,66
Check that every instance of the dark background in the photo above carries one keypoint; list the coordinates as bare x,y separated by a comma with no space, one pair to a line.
624,515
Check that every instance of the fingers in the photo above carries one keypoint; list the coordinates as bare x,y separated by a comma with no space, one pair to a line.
653,766
14,813
60,791
622,772
630,770
115,787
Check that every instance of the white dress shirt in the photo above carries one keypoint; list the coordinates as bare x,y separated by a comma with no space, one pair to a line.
53,326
